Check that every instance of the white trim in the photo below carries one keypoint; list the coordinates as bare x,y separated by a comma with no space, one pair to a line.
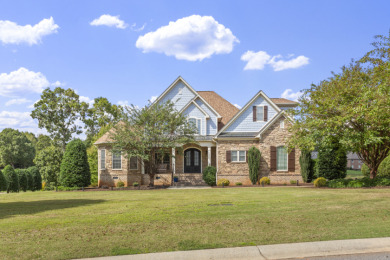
238,156
273,120
260,93
281,125
130,163
200,159
100,160
195,104
112,166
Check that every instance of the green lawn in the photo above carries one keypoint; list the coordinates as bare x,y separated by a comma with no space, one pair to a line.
62,225
354,174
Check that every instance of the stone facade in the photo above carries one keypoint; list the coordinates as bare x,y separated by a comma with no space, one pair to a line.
239,171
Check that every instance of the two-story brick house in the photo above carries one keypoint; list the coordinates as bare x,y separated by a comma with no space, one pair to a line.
224,136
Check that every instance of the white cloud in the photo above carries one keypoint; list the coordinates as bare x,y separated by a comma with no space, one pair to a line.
12,33
190,38
109,20
258,60
289,94
135,29
123,103
58,84
22,81
153,98
17,101
297,62
237,106
16,119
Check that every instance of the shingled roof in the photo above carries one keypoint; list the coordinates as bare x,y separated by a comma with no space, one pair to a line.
221,105
284,102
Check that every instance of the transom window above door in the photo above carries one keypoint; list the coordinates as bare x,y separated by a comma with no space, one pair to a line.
196,122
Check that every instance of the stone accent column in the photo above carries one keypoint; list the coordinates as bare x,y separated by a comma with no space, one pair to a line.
209,156
142,167
173,161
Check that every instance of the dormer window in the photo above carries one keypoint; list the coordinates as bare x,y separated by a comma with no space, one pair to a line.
260,113
196,122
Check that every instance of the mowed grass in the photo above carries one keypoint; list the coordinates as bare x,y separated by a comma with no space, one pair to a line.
63,225
354,174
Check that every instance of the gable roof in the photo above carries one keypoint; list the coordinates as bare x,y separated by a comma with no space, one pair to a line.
106,138
192,102
260,93
284,102
272,121
226,109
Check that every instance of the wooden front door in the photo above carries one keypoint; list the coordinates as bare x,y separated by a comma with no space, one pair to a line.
192,161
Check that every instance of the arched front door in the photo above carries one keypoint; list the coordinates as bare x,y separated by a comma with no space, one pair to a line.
192,161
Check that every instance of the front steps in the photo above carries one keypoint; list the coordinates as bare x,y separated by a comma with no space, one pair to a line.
189,179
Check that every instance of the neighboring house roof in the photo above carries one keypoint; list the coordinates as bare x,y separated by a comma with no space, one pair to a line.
105,139
226,109
284,102
352,156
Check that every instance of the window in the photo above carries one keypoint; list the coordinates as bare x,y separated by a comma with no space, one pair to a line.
281,158
133,163
103,159
260,113
116,161
281,123
238,156
196,122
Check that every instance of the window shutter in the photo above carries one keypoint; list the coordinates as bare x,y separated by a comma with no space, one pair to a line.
254,114
273,158
265,113
228,156
246,155
291,161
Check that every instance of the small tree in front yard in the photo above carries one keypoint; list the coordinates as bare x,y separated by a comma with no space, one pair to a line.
23,185
37,178
332,161
254,156
12,179
48,161
3,182
306,163
145,132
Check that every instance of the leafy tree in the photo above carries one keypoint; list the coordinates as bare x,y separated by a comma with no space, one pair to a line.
74,170
101,113
15,149
43,141
152,130
3,182
37,178
58,111
254,164
383,169
31,137
92,153
332,161
353,106
307,166
12,179
48,162
23,185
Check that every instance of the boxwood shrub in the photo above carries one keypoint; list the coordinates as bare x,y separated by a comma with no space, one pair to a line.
209,175
223,182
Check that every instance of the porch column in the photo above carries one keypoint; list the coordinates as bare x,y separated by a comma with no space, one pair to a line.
142,167
209,156
173,161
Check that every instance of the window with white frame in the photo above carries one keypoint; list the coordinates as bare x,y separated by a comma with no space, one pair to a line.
238,156
133,163
282,123
196,122
117,160
103,159
260,113
281,158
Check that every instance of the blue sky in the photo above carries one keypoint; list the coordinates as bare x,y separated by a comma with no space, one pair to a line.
130,51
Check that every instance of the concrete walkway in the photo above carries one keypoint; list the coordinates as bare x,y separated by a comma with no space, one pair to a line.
280,251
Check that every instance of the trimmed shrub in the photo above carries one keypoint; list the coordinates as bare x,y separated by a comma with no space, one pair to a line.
320,182
238,183
306,164
254,164
120,184
332,161
265,181
37,178
74,170
209,175
135,184
3,182
338,183
30,181
223,182
293,182
23,185
12,179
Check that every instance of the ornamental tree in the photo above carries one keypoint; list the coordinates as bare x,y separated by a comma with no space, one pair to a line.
352,106
254,164
155,129
306,164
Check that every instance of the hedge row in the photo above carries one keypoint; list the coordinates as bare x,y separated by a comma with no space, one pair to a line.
12,180
353,183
